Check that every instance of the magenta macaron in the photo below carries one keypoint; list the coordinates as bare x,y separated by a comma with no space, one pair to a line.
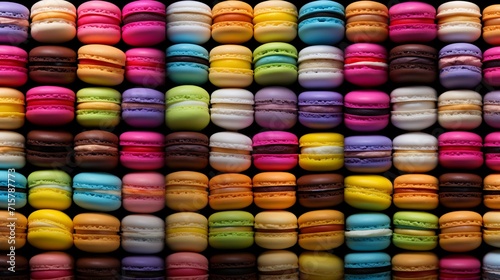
145,67
366,110
459,266
492,150
275,150
320,109
50,105
365,64
460,150
99,23
144,23
13,71
412,21
142,150
491,66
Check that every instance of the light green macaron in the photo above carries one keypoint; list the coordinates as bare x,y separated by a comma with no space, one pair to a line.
231,230
275,64
415,230
187,108
98,107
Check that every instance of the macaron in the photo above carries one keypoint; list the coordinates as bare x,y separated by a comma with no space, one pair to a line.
366,110
233,266
142,234
232,22
232,108
275,63
320,190
50,105
368,192
144,23
98,107
186,150
415,230
230,191
12,154
142,150
412,22
50,229
275,150
320,67
143,266
321,230
413,64
491,228
413,107
365,64
275,21
98,23
490,68
97,266
318,265
460,266
54,65
13,234
459,21
416,192
405,265
230,230
491,108
12,108
186,232
230,66
277,262
187,108
145,67
52,264
275,229
367,265
491,146
186,265
489,265
97,191
96,232
189,22
368,231
101,65
187,64
143,192
490,191
367,153
96,150
15,28
49,148
13,63
275,108
415,152
53,22
460,190
460,150
460,231
318,18
50,189
13,192
230,151
320,110
186,190
321,151
143,107
460,109
274,190
367,21
490,24
460,66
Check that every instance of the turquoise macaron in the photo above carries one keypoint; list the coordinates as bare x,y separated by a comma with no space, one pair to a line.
321,22
367,266
187,64
368,231
98,191
12,190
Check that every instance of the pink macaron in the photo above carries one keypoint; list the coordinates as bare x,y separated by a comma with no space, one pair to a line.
142,150
50,105
145,67
460,150
51,265
99,23
492,150
458,266
491,68
275,150
186,265
13,71
144,23
412,22
143,192
365,64
366,110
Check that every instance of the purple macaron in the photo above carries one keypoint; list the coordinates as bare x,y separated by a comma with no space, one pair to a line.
15,23
275,108
143,107
491,108
320,109
367,153
138,267
460,66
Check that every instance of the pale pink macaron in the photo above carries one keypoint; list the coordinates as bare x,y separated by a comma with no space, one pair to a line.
143,192
51,265
142,150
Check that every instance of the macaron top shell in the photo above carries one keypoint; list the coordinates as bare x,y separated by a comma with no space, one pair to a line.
458,264
274,137
52,259
413,93
153,7
464,8
365,50
364,98
321,6
367,221
460,49
460,138
186,260
320,98
367,143
412,9
320,52
415,141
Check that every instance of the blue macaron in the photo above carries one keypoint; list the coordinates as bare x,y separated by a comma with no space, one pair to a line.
143,107
321,22
370,231
491,265
368,153
97,191
12,190
367,266
460,66
187,64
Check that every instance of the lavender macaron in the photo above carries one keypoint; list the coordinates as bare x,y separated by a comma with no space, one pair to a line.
143,107
491,108
320,109
137,267
275,108
15,23
460,66
367,153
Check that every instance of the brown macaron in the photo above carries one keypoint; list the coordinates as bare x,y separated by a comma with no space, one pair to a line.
97,268
413,63
52,65
49,148
186,150
320,190
233,266
96,149
460,190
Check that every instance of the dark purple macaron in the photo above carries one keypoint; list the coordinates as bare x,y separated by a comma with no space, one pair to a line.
276,108
368,153
143,107
320,109
138,267
460,66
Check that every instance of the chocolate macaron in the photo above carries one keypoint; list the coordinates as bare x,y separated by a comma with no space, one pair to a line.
186,150
460,190
52,65
96,149
320,190
49,148
413,64
97,268
233,266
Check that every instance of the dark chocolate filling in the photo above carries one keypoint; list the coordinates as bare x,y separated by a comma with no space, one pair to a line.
193,59
322,14
366,112
233,271
53,64
491,192
144,17
367,270
278,272
48,149
274,189
460,189
492,150
143,274
491,64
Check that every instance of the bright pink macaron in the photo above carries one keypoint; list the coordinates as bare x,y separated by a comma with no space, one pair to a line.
492,150
275,150
51,265
491,66
366,110
50,105
142,150
145,67
13,71
186,265
412,22
463,267
144,23
143,192
365,64
99,23
460,150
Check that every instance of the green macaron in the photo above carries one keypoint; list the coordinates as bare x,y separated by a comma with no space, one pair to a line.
98,107
187,108
231,230
275,64
415,230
